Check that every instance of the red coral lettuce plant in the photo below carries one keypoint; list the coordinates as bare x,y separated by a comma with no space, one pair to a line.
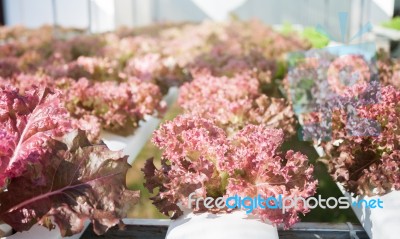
199,157
51,174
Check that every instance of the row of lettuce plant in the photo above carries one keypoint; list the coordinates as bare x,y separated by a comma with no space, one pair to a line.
59,88
228,140
85,67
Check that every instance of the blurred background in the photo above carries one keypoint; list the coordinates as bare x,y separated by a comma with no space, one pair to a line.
107,15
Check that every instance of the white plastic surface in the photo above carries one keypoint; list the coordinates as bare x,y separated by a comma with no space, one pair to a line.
41,232
236,225
133,144
379,222
6,230
391,34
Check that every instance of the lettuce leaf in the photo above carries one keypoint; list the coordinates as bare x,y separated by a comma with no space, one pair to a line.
27,123
155,179
83,181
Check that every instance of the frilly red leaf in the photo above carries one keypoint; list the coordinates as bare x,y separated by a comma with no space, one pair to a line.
234,102
368,164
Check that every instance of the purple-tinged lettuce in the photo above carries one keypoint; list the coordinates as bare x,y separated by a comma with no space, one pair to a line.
389,72
118,106
364,157
198,157
27,123
8,67
110,105
229,59
157,68
80,182
192,149
256,166
235,102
